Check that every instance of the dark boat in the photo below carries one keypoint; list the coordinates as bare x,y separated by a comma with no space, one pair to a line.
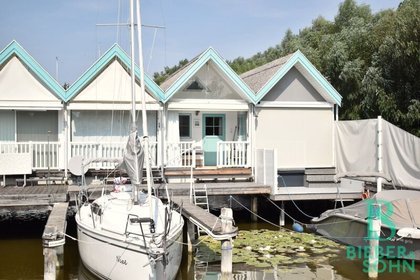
400,224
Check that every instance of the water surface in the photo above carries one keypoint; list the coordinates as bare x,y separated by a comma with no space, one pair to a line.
21,258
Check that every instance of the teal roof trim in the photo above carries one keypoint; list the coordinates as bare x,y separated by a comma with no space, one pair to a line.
15,49
210,54
114,52
299,57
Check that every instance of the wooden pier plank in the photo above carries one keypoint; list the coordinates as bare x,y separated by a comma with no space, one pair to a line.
56,223
206,219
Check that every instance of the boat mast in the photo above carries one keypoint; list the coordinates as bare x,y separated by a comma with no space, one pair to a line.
143,106
133,92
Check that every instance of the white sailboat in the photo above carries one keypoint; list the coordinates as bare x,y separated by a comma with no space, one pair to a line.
131,235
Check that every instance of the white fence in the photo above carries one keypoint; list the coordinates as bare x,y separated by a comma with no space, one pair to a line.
90,150
180,154
44,154
233,154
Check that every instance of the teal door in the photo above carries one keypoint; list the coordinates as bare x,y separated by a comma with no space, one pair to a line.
213,132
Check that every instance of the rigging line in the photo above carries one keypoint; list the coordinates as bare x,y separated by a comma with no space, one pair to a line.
116,262
118,20
294,203
162,12
151,50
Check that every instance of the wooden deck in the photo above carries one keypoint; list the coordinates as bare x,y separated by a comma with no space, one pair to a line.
305,193
12,196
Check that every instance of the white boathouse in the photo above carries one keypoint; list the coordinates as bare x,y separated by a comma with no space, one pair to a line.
204,117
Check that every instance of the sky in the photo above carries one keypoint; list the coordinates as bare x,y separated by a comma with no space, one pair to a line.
65,33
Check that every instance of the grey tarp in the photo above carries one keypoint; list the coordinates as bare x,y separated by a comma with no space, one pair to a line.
134,155
401,207
356,151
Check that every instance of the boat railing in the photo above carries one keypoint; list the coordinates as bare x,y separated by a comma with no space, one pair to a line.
133,219
233,153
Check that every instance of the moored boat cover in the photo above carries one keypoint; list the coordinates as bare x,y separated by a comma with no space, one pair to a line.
400,207
356,151
134,155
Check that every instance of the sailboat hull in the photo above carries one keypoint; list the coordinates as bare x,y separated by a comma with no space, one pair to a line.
116,240
115,259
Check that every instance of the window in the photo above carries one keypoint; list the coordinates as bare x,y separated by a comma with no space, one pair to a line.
195,85
214,126
185,126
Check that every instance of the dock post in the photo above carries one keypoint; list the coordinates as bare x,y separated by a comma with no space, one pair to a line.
53,240
254,208
190,236
281,219
226,217
50,262
374,229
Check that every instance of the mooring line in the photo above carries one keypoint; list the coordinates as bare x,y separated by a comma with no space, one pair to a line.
294,203
287,214
250,211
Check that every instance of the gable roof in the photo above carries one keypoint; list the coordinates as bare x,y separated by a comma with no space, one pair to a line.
115,52
179,79
256,78
14,49
262,79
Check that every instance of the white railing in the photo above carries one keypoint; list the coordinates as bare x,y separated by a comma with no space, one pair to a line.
180,154
44,154
233,153
90,150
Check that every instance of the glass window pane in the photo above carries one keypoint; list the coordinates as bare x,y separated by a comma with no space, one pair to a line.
217,121
209,121
209,131
184,126
217,130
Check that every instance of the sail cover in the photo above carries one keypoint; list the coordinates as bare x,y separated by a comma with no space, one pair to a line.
356,151
133,158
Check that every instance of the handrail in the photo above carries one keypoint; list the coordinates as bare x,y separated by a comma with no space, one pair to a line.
233,153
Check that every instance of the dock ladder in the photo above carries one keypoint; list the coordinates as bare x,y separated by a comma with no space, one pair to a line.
201,199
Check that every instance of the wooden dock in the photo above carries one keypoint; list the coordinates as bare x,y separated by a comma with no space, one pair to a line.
53,240
206,221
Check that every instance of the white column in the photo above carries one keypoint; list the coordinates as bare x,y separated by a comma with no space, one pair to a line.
62,135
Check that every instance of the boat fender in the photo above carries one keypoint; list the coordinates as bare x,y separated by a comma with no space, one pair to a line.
297,227
365,194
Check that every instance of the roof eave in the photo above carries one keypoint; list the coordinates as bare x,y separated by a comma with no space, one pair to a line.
89,75
299,58
210,55
14,48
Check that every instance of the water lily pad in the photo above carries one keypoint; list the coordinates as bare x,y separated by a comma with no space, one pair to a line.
268,249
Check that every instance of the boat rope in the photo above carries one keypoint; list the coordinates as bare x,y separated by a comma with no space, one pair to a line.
305,224
116,261
255,214
294,203
288,215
